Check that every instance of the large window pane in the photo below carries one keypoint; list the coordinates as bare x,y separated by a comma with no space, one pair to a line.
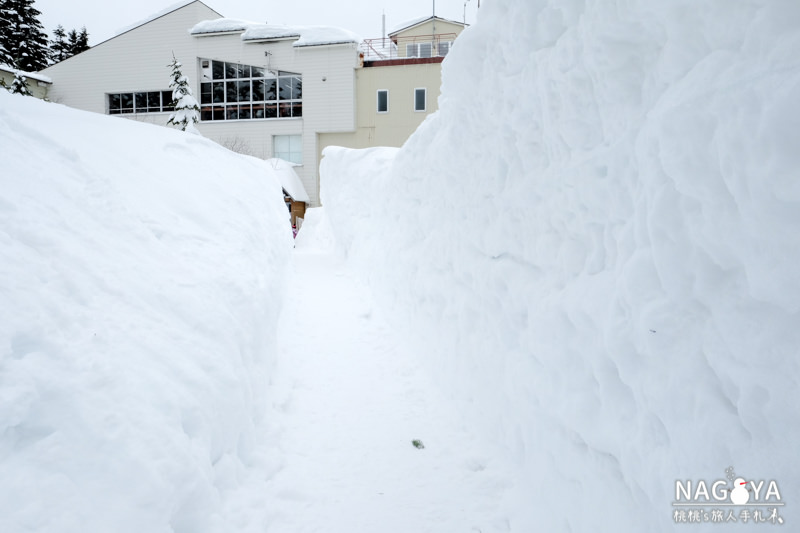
285,88
206,93
231,71
126,102
231,91
244,112
218,70
270,89
425,49
166,101
141,102
231,112
206,114
297,88
243,90
219,112
258,111
218,88
258,90
154,102
113,104
244,71
288,148
271,111
258,72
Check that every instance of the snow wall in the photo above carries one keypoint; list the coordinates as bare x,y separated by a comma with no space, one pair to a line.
596,241
141,278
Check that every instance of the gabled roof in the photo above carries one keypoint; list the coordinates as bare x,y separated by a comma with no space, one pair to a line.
417,22
159,14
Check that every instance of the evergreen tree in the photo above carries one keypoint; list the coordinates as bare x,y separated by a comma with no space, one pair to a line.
5,29
22,35
187,111
82,43
58,45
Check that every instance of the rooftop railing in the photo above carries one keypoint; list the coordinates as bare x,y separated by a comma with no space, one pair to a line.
421,46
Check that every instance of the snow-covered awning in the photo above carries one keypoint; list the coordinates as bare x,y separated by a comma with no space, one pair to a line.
289,179
30,75
253,31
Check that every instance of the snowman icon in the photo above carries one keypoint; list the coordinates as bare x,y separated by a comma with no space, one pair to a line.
740,494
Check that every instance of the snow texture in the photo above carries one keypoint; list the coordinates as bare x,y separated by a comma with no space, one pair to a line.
252,31
142,276
30,75
290,181
595,241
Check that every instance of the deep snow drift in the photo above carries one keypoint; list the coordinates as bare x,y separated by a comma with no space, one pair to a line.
142,274
596,240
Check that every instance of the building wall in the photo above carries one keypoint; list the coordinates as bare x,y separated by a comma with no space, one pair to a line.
137,61
396,126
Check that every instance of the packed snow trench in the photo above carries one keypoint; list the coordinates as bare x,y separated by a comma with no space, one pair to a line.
367,442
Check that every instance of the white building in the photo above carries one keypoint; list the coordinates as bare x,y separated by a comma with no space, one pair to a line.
265,90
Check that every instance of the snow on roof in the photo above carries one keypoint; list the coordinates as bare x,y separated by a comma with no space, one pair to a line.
220,25
253,31
30,75
154,16
308,35
410,23
289,179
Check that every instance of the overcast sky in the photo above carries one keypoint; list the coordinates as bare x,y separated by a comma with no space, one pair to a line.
104,19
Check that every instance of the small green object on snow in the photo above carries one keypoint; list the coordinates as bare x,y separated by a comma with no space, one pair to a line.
417,444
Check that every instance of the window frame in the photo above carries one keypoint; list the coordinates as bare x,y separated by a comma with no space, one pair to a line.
250,92
378,101
289,138
424,99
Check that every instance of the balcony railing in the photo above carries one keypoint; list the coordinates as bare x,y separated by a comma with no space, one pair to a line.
422,46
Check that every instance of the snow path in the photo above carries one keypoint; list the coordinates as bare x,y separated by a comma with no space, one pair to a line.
349,402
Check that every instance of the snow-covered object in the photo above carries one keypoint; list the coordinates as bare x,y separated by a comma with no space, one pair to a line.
141,276
303,35
290,181
596,241
187,109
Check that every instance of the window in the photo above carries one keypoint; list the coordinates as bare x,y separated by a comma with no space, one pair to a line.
288,148
141,102
444,47
383,101
419,50
420,98
244,92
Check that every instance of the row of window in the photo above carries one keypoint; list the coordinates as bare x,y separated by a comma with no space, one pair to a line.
426,49
420,100
243,92
141,102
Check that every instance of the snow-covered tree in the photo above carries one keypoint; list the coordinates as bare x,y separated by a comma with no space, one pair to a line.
19,85
23,36
5,27
187,111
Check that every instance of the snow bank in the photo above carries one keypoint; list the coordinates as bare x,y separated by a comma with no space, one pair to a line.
596,241
142,272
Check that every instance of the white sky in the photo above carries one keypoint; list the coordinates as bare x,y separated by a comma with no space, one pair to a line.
103,19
